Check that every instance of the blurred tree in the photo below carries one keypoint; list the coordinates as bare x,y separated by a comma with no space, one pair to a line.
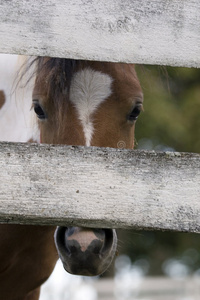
171,115
171,120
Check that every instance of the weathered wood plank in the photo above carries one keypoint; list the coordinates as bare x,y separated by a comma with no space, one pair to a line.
137,287
42,184
157,288
164,32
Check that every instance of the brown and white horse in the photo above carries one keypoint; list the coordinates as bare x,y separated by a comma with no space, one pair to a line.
76,103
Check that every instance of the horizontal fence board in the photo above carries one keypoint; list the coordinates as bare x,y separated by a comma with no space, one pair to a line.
163,32
99,187
130,284
152,288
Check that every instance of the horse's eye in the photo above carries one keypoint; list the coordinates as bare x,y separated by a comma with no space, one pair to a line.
38,110
135,113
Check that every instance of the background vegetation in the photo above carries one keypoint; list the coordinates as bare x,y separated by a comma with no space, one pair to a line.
170,121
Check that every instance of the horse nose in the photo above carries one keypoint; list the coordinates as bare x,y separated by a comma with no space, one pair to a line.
85,251
82,240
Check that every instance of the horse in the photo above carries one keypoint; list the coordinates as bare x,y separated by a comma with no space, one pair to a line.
72,102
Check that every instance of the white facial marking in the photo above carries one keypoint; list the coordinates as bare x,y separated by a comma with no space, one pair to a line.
88,90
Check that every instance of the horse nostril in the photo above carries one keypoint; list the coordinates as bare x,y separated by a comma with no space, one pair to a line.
96,247
72,247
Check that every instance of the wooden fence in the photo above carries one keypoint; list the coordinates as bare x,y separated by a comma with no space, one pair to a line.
92,186
136,288
165,32
151,288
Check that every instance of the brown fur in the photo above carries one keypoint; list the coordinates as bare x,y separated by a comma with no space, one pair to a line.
2,99
31,141
27,257
110,119
33,295
28,254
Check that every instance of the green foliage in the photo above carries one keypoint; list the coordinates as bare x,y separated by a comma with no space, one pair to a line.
171,115
171,119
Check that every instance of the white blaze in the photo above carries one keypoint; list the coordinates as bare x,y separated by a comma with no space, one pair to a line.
88,90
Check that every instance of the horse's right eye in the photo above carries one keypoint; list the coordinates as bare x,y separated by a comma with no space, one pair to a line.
135,113
39,110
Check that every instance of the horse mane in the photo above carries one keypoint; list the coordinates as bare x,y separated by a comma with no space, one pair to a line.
57,73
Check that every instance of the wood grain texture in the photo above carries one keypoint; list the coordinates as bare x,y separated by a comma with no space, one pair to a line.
99,187
163,32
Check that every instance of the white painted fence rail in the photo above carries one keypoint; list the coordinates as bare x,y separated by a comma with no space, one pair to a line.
151,288
165,32
43,184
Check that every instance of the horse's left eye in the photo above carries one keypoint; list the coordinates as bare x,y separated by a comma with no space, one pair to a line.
135,113
39,110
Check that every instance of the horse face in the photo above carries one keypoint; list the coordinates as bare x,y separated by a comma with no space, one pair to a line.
96,105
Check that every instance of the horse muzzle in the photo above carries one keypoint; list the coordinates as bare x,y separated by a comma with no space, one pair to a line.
85,251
